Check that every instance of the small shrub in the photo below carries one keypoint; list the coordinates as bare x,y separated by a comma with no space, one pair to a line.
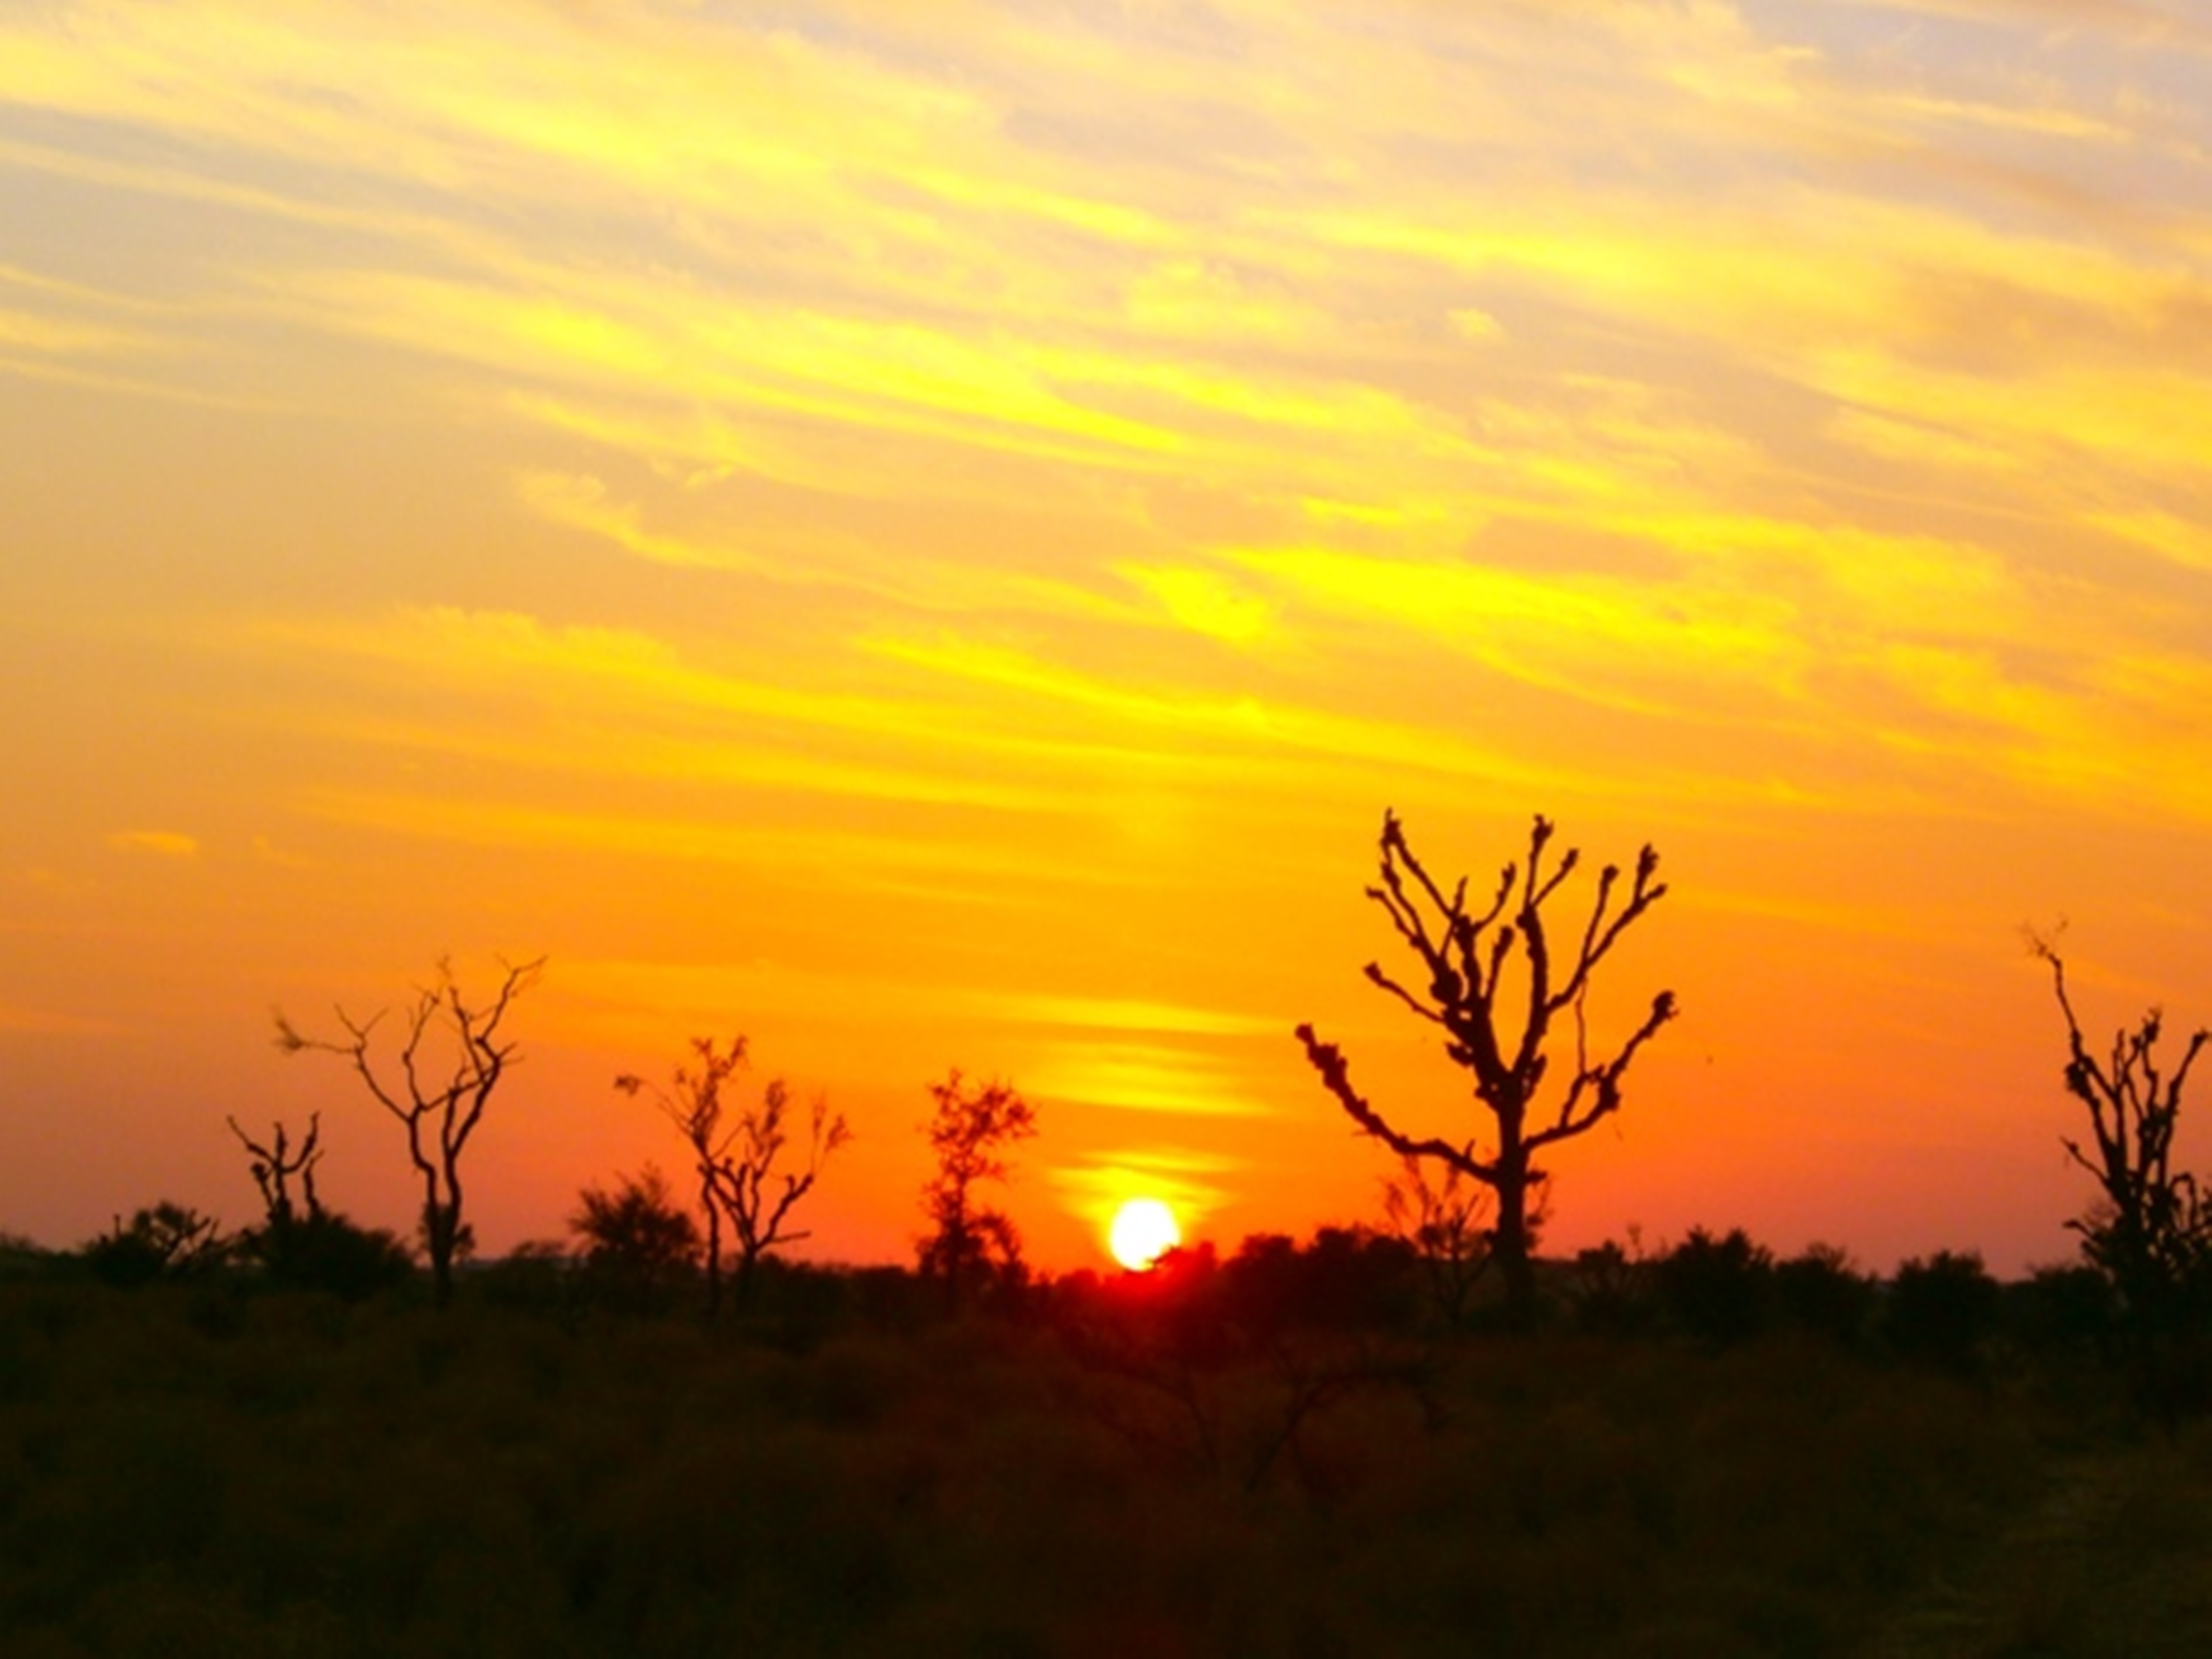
169,1241
1716,1289
1942,1310
1819,1292
2063,1309
1612,1288
323,1251
637,1241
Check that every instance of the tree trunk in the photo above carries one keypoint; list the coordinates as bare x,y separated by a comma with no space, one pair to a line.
1516,1262
438,1235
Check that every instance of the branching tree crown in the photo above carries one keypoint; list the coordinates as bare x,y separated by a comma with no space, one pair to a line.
736,1155
970,1244
438,1099
636,1239
2152,1234
1496,982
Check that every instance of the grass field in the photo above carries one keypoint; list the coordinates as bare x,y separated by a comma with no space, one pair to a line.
218,1469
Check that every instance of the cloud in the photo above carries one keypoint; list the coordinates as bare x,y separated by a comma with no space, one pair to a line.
1138,1076
1686,369
161,843
1190,1184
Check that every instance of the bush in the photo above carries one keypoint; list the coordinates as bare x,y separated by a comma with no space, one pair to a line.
1942,1309
1612,1290
326,1252
169,1241
1822,1292
22,1259
1716,1290
2060,1310
637,1241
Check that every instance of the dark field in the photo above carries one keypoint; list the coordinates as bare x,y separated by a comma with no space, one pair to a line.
219,1468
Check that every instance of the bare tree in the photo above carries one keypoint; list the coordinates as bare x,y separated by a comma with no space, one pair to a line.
2151,1233
275,1165
438,1099
736,1155
968,1243
1465,955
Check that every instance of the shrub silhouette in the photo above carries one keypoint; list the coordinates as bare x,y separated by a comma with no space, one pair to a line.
1820,1291
1612,1287
1718,1290
324,1251
312,1249
1443,1220
636,1241
166,1241
2062,1309
1497,1028
1943,1309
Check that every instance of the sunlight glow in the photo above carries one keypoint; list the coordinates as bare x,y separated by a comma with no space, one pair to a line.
1143,1231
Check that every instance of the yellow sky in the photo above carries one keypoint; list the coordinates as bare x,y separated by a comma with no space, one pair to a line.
930,534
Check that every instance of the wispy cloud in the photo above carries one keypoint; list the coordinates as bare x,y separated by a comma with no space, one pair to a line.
1012,485
161,843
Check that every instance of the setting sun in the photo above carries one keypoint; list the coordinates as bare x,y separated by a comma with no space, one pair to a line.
1143,1231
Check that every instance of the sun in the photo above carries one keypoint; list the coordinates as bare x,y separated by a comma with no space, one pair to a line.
1143,1231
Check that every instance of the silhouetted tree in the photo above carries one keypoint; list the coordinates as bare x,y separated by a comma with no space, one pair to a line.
736,1154
314,1248
2152,1232
969,1244
636,1239
275,1165
1465,955
169,1241
437,1101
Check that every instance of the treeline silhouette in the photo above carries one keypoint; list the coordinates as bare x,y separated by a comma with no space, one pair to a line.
636,1254
1289,1448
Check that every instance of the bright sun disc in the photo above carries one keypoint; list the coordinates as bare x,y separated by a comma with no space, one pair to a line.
1143,1231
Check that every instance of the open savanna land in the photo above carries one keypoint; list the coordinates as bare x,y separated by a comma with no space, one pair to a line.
221,1468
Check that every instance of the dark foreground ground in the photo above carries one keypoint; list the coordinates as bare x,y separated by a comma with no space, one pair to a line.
189,1470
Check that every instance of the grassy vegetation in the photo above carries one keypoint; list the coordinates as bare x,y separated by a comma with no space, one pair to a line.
219,1467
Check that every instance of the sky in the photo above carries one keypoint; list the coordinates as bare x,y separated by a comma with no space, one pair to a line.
930,536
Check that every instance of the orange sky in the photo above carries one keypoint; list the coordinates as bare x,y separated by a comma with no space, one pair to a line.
930,535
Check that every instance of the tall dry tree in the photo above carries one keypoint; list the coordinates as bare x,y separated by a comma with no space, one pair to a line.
2152,1234
438,1099
1497,1024
736,1155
